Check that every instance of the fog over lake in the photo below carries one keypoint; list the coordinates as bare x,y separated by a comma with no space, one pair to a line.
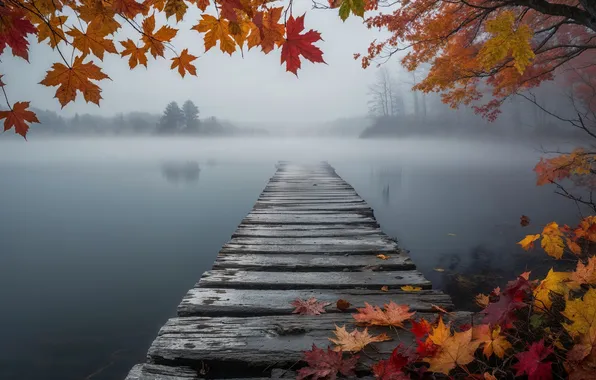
101,238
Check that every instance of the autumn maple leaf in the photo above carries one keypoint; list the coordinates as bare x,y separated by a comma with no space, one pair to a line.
531,362
266,31
175,7
326,364
585,273
183,62
155,41
128,8
455,350
309,307
582,314
355,340
393,315
421,328
92,41
492,340
555,282
51,29
527,243
18,117
137,54
502,312
95,13
216,30
75,78
391,369
14,28
552,241
297,44
440,333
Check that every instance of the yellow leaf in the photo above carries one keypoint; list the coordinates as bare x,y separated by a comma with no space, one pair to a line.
216,30
439,270
552,241
410,288
355,340
456,350
384,288
582,314
557,282
492,340
527,243
440,333
506,40
482,300
382,256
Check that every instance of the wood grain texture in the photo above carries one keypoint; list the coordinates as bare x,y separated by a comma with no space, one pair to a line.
239,279
311,262
250,302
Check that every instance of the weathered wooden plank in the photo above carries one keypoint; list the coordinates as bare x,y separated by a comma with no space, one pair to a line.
309,198
311,263
362,211
258,342
239,279
251,302
305,230
283,207
309,219
307,201
330,249
160,372
374,240
309,193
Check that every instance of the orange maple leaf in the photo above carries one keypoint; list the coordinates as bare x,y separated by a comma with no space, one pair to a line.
216,30
393,315
158,5
456,350
440,333
201,4
183,63
49,29
155,41
356,340
96,14
18,117
92,41
492,340
73,79
128,8
585,273
482,300
137,54
587,228
266,30
527,243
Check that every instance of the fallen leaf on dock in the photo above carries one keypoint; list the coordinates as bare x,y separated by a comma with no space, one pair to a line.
309,307
385,288
382,256
356,340
392,314
343,305
410,288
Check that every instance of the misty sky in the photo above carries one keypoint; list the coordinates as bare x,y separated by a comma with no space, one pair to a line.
254,88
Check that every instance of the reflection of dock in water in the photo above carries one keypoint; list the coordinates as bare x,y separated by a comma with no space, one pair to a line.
387,179
181,171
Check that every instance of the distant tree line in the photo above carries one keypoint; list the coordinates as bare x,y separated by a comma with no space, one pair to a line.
397,111
173,121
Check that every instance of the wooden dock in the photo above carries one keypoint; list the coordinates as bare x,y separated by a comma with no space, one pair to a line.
309,235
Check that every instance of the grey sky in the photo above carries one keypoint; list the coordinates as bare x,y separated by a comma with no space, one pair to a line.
254,88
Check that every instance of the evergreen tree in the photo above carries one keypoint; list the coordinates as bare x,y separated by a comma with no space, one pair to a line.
191,116
171,120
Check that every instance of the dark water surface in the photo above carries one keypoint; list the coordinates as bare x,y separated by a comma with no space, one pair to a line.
100,239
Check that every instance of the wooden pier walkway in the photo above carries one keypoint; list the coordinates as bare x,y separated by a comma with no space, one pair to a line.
309,235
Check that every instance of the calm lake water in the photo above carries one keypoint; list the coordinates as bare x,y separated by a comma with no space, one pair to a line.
100,239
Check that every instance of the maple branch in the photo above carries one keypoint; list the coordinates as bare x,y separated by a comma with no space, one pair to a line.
6,97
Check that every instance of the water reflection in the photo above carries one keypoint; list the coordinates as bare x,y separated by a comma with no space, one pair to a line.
181,172
388,179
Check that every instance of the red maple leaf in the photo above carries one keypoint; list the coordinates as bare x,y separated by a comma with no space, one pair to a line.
297,44
531,362
309,307
14,28
420,329
326,364
228,9
426,347
502,312
391,369
18,117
